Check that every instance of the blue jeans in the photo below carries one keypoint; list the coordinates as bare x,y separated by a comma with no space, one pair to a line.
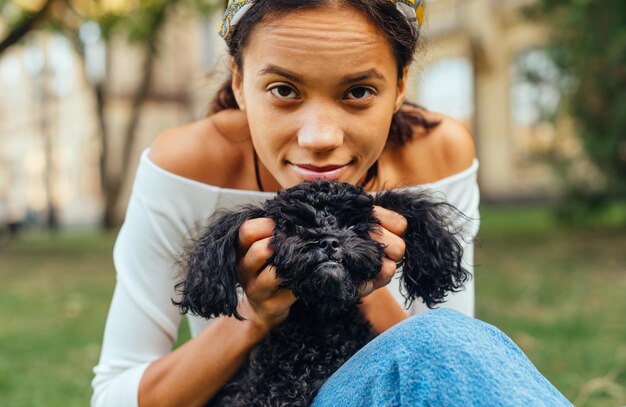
439,358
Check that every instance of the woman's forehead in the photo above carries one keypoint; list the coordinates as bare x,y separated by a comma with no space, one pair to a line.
341,38
328,22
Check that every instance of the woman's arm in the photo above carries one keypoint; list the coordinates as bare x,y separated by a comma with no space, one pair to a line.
195,372
137,364
382,310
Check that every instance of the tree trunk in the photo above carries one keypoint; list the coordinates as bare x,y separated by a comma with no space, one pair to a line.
99,90
113,183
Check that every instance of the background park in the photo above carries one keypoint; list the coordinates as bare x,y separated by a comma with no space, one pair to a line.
86,85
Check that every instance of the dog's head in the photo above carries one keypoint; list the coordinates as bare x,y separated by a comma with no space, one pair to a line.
322,248
322,245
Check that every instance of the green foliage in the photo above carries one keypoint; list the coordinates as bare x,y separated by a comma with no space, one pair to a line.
11,14
139,22
206,7
589,48
142,23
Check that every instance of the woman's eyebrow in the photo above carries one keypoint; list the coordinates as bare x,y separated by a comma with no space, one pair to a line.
361,76
346,80
273,69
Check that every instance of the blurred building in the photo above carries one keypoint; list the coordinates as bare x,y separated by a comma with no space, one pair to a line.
480,58
48,145
472,69
50,138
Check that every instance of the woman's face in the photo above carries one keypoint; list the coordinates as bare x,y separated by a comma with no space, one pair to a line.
319,88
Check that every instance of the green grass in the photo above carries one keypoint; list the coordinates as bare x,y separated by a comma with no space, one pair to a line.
558,292
53,301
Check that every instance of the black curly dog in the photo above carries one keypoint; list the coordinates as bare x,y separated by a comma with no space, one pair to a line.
323,250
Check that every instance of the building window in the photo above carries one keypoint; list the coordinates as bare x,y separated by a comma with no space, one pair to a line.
447,86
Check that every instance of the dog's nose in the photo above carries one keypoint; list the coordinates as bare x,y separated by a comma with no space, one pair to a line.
330,244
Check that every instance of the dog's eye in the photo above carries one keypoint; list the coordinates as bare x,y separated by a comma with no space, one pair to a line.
351,227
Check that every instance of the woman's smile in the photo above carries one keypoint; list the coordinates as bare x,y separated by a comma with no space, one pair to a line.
310,172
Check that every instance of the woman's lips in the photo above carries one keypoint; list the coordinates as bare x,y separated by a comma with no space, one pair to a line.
311,172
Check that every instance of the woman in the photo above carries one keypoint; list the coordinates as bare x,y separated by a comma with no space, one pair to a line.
317,91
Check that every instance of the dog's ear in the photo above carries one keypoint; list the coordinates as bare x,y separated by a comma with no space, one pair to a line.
210,264
433,258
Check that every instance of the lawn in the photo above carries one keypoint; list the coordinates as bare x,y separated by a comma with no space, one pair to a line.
558,292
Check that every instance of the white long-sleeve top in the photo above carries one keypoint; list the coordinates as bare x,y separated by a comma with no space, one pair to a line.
164,211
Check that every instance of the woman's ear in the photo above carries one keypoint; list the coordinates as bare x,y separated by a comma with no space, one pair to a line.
237,84
402,88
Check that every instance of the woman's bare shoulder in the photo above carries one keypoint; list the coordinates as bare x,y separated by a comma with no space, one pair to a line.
454,141
200,151
439,152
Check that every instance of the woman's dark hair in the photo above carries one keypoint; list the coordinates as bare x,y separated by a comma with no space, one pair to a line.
401,35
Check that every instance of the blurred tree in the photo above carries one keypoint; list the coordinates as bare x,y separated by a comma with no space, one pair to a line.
589,48
21,20
140,22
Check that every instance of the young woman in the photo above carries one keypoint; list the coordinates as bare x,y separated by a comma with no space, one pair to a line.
317,91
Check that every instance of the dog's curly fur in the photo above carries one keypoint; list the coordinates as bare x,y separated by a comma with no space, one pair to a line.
323,250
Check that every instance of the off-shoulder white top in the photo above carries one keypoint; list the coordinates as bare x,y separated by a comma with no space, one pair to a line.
164,211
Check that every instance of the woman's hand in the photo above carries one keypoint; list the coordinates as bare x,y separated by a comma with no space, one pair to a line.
265,304
378,305
392,227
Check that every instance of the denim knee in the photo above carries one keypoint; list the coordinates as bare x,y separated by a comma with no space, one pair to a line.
433,326
440,357
445,358
384,372
438,329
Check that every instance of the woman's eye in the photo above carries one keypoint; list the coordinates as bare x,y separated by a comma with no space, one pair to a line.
360,92
283,92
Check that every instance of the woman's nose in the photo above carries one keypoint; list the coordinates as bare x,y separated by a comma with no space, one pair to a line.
320,132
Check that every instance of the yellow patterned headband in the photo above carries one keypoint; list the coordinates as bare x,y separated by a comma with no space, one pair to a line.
413,10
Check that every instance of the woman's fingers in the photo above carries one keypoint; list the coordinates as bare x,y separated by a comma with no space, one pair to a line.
393,226
394,245
387,271
390,220
254,238
254,259
265,285
267,302
253,230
